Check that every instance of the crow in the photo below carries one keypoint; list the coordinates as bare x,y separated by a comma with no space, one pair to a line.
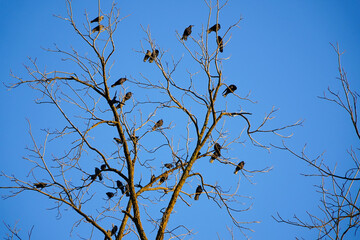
217,148
119,82
97,28
220,43
114,230
163,178
214,156
214,28
110,194
154,55
118,140
158,124
97,19
40,185
168,165
147,55
127,96
187,32
229,89
120,185
103,167
239,167
198,192
98,174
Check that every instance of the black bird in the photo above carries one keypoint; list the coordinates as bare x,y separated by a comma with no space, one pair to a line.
40,185
118,140
163,178
127,96
198,192
147,55
98,19
217,148
121,186
168,165
158,124
214,156
214,28
229,89
154,55
119,82
110,194
127,190
187,32
114,230
103,167
152,178
113,101
98,174
97,28
239,167
220,43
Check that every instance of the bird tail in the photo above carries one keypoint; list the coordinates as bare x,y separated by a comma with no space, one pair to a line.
221,49
184,38
113,85
212,159
196,197
208,31
236,171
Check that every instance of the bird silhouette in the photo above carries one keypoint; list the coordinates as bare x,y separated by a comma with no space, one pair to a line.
114,230
110,194
119,82
97,19
98,174
158,124
163,178
40,185
98,28
187,32
198,192
168,165
239,167
147,55
229,89
121,186
103,167
214,28
217,148
220,43
127,96
214,156
153,55
152,179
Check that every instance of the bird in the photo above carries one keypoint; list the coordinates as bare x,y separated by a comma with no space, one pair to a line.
229,89
119,82
168,165
198,192
214,28
154,55
98,28
98,174
121,186
217,148
187,32
114,230
103,167
97,19
110,194
147,55
113,101
163,178
214,156
152,178
127,96
220,43
40,185
118,140
239,167
158,124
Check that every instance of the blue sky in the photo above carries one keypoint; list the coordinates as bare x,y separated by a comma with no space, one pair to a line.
281,53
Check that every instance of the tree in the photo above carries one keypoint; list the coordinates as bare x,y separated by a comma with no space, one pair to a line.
130,182
339,204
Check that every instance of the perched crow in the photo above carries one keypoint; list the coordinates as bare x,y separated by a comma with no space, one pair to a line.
220,43
98,19
110,194
97,28
217,148
158,124
147,55
214,28
152,178
40,185
214,156
127,190
239,167
163,178
119,82
113,101
229,89
127,96
168,165
154,55
198,192
121,186
98,174
118,140
103,167
114,230
187,32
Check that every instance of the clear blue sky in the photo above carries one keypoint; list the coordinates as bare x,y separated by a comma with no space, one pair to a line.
281,52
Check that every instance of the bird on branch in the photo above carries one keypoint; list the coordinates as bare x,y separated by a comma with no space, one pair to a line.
214,28
154,55
119,82
187,32
239,167
121,186
229,89
220,43
98,174
198,192
40,185
98,28
110,194
147,55
157,124
97,19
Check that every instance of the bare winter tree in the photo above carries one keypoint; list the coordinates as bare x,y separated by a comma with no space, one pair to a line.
340,191
144,167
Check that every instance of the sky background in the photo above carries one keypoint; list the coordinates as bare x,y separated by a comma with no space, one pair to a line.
281,53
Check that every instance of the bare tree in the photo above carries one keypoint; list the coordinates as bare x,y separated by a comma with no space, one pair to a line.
340,192
127,171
